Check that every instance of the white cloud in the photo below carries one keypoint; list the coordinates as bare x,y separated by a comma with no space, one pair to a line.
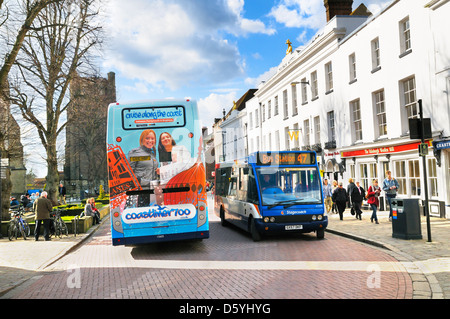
311,14
299,13
254,82
212,106
177,43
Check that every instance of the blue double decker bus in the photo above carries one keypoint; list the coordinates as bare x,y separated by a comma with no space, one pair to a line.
156,172
271,192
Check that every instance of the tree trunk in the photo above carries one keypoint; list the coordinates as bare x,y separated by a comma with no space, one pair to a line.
6,192
52,179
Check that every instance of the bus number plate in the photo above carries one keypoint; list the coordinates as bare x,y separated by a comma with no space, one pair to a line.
293,227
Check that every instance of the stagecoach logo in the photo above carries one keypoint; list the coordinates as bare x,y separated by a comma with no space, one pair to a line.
158,213
293,212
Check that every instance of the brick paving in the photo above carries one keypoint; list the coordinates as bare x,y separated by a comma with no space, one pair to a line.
331,268
233,266
427,262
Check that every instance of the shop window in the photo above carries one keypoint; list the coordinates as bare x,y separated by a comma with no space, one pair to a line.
368,172
432,177
400,175
414,177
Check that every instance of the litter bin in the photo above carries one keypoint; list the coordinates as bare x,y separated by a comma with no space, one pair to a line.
406,218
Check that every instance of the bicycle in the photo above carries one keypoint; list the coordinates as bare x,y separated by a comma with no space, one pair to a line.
18,225
59,226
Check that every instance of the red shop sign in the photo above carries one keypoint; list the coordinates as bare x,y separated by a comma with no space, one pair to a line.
383,150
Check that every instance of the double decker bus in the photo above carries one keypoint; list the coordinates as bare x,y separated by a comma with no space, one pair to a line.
156,172
271,192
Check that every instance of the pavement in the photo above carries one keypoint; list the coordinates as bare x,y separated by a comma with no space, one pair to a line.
428,263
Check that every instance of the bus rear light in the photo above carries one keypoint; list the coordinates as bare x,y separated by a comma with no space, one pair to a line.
116,214
191,135
118,139
202,208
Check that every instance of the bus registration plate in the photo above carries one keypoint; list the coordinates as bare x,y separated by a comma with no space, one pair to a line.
293,227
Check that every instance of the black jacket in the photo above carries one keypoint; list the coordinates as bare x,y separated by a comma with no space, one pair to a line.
340,195
358,195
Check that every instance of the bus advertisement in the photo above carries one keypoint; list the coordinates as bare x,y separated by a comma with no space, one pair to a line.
156,172
271,192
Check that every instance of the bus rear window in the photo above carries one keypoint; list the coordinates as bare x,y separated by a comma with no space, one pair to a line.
153,117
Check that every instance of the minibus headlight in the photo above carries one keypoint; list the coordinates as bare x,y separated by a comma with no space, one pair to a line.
319,217
266,219
313,217
272,219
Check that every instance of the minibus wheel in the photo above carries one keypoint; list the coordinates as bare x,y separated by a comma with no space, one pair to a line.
223,222
320,233
256,236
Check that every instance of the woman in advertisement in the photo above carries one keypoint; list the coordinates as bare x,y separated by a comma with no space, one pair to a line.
174,158
143,159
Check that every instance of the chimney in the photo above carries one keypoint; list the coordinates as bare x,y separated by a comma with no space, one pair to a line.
338,7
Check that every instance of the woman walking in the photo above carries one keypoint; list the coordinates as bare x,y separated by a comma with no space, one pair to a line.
372,198
340,197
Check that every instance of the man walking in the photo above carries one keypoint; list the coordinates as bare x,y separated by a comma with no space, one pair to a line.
390,187
357,196
327,193
42,208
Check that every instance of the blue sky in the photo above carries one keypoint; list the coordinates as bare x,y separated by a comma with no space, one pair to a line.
209,50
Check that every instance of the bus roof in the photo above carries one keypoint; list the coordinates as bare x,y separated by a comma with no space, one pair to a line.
155,102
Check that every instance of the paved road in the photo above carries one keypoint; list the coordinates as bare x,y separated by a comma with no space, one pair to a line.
228,265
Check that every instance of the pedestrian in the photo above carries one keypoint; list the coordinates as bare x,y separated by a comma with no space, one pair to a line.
357,195
333,207
42,208
62,194
340,197
90,210
327,193
372,199
350,187
390,187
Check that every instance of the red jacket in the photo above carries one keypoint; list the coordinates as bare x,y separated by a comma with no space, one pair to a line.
373,195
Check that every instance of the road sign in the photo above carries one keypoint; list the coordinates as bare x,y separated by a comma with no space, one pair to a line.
423,149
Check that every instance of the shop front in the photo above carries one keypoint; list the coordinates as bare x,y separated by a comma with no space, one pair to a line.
364,163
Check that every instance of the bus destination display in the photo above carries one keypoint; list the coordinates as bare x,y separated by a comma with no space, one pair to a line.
285,159
153,117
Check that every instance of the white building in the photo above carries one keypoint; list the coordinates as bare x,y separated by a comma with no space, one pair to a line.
230,132
348,94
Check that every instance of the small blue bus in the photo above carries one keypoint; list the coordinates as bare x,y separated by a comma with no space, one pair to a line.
271,192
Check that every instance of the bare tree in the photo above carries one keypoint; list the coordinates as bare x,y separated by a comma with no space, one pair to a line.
58,47
12,39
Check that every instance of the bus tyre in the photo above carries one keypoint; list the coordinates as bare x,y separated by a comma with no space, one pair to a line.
320,233
256,236
223,222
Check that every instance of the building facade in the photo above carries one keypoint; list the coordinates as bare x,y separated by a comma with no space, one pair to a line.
350,92
85,167
230,132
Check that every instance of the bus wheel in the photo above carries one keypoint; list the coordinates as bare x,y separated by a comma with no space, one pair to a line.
223,222
320,233
256,236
